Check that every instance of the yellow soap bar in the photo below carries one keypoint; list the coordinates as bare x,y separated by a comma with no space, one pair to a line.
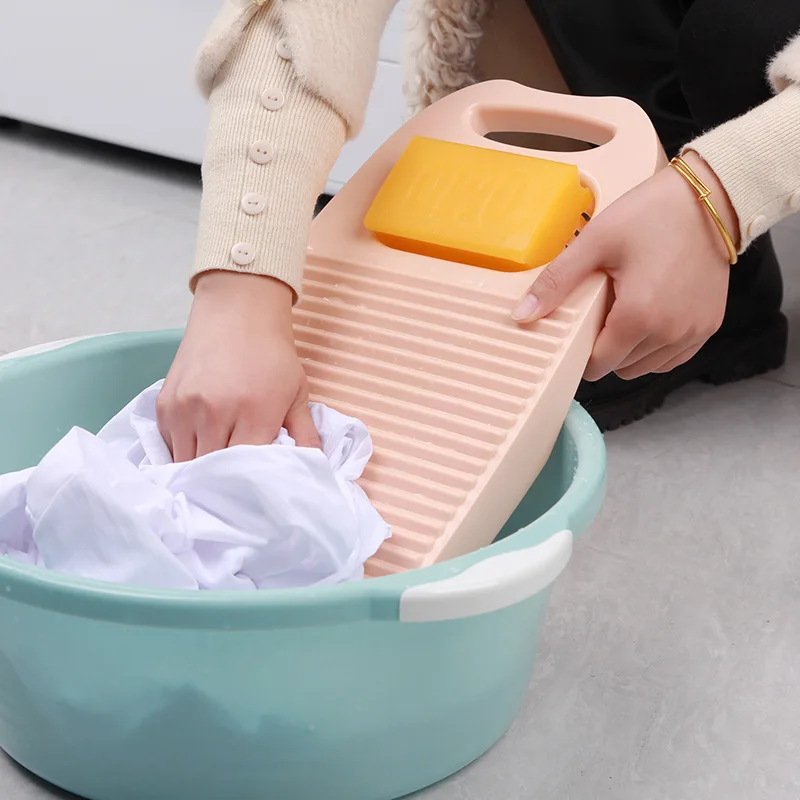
479,206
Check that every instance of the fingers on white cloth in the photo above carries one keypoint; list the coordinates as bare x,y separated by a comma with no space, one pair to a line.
114,507
301,427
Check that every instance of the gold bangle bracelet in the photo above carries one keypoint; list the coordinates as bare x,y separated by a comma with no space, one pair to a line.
702,191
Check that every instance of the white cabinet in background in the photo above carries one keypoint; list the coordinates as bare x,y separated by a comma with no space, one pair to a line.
121,72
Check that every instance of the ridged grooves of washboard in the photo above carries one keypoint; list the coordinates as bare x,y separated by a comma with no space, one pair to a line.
435,372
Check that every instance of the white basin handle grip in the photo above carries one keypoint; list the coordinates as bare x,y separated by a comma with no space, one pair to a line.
490,585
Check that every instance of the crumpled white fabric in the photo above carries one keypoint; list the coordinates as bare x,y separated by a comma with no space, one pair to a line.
114,507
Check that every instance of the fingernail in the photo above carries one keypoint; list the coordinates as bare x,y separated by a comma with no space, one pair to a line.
527,307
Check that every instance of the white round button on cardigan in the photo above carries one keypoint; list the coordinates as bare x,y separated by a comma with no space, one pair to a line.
794,201
262,152
272,99
243,254
253,203
284,51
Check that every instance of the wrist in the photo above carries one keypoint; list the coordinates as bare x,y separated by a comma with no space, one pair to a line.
719,196
244,296
233,285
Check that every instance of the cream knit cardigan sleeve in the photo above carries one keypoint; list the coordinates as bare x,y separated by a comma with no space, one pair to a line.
288,82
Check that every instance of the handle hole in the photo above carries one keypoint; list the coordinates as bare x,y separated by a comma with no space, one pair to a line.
537,130
544,142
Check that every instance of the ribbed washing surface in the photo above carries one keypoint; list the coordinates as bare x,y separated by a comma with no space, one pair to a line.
440,378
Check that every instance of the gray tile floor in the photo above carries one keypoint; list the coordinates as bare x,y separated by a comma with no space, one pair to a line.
670,665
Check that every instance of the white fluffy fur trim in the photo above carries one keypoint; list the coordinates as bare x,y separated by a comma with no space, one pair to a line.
441,48
784,69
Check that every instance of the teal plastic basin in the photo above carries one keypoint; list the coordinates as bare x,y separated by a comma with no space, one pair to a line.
363,691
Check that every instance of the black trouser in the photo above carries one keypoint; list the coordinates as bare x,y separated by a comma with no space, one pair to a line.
691,65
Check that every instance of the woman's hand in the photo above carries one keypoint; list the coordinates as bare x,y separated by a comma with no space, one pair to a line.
236,378
669,268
